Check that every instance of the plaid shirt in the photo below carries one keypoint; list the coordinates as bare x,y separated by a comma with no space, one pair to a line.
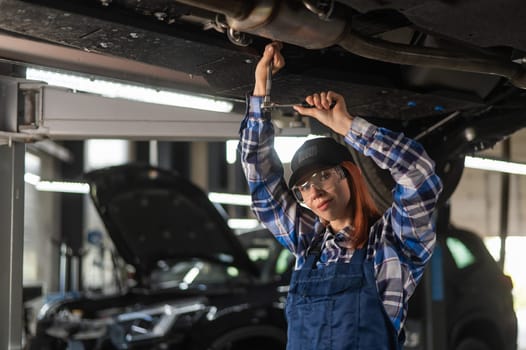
401,242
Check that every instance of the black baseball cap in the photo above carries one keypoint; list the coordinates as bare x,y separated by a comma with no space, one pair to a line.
316,154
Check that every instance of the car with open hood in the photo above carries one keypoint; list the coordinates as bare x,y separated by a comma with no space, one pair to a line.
198,285
448,73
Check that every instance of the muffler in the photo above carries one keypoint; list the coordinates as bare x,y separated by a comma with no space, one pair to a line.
286,21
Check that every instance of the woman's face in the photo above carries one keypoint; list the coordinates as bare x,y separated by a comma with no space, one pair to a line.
326,192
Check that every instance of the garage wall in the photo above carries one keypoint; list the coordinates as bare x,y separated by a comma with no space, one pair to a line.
42,230
97,264
476,202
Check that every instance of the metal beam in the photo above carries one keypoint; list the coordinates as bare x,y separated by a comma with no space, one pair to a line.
11,222
64,114
504,204
32,52
435,298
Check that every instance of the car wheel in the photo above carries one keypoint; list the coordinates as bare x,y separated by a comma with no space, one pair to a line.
472,344
254,338
45,343
381,184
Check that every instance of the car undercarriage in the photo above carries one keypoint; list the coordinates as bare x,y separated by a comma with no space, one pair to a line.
448,73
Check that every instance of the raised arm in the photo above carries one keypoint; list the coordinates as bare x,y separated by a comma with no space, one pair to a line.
410,231
272,202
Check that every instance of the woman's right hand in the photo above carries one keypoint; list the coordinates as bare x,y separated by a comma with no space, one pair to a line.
329,108
272,54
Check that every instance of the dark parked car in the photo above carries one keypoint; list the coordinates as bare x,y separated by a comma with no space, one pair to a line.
479,312
200,286
480,308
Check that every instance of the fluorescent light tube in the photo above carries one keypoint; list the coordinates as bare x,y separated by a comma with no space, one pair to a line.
243,224
229,198
495,165
62,186
131,92
31,179
56,186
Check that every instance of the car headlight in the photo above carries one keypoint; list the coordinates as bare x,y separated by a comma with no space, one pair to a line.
151,323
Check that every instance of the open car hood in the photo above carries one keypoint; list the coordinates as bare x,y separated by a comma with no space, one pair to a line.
153,214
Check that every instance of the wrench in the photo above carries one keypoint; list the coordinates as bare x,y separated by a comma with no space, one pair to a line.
303,104
267,104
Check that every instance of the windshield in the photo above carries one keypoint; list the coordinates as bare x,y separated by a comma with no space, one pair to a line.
194,273
271,259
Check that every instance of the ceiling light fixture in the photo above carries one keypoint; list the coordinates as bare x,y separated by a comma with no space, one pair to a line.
495,165
56,186
229,198
243,224
63,187
131,92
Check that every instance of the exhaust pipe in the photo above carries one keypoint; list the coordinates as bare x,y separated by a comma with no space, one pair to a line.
433,58
294,23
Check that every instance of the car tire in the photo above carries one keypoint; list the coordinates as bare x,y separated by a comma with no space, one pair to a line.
381,184
252,337
472,344
44,342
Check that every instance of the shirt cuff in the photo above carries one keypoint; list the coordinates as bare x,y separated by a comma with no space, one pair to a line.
254,104
361,129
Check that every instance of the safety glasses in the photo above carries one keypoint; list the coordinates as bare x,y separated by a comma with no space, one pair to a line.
321,180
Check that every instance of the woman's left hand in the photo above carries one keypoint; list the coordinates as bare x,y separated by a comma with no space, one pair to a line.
337,118
272,54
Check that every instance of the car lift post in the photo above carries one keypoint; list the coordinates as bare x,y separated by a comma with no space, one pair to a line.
12,155
435,306
504,204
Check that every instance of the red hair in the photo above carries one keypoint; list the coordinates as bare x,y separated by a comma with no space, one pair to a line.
363,209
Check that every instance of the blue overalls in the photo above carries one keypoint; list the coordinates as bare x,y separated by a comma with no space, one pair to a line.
337,307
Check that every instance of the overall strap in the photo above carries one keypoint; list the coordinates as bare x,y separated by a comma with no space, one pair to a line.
359,255
314,251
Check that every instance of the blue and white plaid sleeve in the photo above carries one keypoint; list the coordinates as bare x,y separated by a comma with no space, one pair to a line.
272,202
402,241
